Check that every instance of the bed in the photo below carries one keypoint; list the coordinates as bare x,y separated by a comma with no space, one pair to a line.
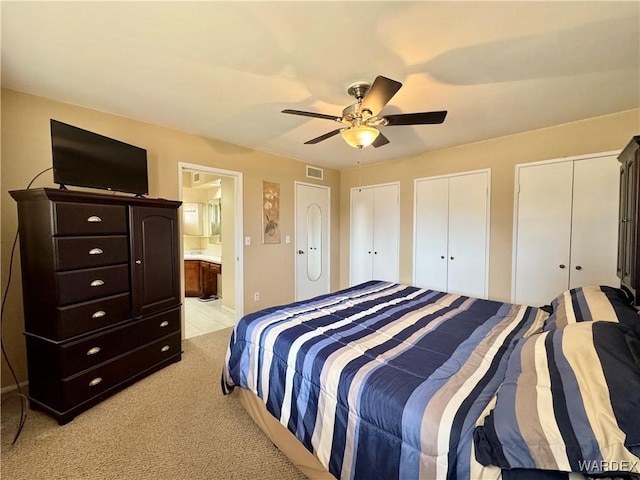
390,381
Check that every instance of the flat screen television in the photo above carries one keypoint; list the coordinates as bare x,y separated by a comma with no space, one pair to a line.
86,159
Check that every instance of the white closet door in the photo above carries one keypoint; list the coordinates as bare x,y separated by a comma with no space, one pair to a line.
431,233
386,233
361,251
468,213
543,232
594,236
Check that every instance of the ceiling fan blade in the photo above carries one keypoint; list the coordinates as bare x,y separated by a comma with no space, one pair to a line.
381,91
422,118
323,137
380,140
312,114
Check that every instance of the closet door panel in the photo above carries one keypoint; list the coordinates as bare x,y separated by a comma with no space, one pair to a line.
543,232
595,222
361,251
431,235
468,210
386,227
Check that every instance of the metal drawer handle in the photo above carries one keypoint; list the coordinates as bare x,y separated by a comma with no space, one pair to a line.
98,314
96,251
164,324
94,219
95,381
97,283
93,351
165,348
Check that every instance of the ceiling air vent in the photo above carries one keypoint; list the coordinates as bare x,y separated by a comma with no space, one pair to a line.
315,172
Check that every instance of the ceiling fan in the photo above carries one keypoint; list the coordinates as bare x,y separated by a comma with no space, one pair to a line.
363,117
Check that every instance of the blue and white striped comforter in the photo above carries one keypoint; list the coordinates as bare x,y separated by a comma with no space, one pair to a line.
381,380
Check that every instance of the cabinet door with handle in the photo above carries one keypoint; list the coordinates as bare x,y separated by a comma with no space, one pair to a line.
155,267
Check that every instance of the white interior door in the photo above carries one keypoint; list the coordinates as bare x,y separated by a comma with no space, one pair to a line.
431,233
594,235
312,240
468,234
386,233
543,232
361,244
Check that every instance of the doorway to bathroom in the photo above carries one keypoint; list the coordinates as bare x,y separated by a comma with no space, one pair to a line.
212,248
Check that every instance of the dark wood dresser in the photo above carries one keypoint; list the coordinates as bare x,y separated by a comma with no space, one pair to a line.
629,220
101,292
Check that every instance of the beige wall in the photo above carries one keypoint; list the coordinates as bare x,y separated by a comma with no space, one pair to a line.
606,133
26,150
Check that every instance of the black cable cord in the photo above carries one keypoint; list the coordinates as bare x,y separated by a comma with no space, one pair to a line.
22,396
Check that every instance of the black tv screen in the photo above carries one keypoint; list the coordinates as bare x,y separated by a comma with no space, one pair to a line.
86,159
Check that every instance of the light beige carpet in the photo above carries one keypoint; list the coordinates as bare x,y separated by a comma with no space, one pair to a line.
175,424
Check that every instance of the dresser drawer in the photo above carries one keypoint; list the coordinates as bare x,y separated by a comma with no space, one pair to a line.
88,316
96,381
96,349
72,253
81,285
87,219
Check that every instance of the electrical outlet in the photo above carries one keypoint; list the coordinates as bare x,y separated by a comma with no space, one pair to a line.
247,240
256,296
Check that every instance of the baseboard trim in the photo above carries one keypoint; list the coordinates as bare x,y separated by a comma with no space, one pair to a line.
11,388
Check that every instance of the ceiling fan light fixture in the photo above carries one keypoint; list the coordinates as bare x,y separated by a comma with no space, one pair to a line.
360,136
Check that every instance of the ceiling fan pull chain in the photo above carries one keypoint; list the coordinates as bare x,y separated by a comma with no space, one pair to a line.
359,157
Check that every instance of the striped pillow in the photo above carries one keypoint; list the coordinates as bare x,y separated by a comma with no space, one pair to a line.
591,303
570,403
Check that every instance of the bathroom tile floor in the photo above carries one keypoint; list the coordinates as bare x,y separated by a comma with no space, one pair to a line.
205,317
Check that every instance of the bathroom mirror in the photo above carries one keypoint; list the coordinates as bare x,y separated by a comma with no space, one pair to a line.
314,242
215,220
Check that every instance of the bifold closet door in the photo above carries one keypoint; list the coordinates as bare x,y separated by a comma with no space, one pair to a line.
386,238
594,238
432,233
468,213
361,251
567,228
543,239
375,234
451,236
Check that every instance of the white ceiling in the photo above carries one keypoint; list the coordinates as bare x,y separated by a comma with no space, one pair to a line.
225,70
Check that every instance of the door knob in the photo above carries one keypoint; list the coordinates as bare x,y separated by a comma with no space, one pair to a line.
578,267
442,257
300,252
451,258
561,265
